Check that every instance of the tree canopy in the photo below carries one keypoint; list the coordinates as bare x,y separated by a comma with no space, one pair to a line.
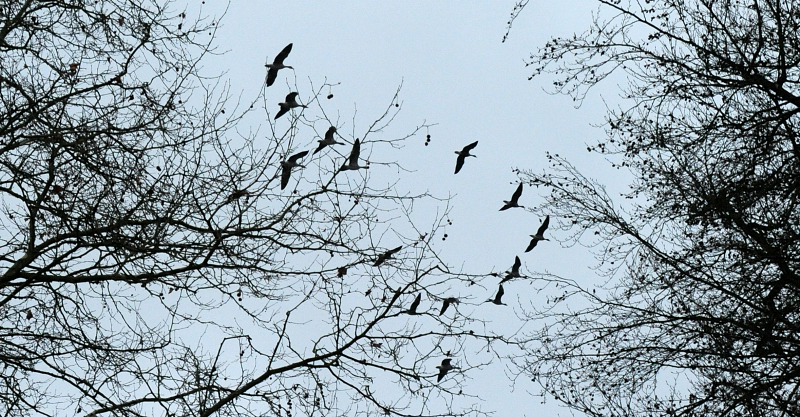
152,262
698,312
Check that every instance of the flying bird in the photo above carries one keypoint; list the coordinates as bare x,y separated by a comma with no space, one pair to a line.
291,102
328,140
288,165
237,195
444,368
446,304
498,299
386,255
463,153
352,162
514,199
413,309
277,64
514,272
539,234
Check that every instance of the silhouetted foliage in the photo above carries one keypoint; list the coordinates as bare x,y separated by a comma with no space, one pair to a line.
150,262
699,311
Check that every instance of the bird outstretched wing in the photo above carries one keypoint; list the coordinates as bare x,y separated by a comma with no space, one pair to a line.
293,159
459,163
285,174
445,366
329,134
282,55
355,153
517,194
272,75
515,267
321,146
415,304
445,304
543,227
282,111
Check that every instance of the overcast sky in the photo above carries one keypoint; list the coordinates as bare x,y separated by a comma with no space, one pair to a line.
458,75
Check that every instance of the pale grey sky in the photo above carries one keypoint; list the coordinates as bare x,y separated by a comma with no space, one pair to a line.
458,75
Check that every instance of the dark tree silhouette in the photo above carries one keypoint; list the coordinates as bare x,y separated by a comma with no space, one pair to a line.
699,310
150,262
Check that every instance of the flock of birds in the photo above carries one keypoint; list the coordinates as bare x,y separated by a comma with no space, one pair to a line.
352,164
290,103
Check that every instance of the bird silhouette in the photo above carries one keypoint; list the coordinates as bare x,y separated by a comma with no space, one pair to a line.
386,255
288,165
498,299
463,154
277,64
446,303
514,199
328,140
237,195
444,368
290,103
352,162
539,234
514,272
413,309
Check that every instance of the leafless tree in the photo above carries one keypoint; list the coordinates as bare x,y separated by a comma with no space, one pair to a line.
698,312
151,264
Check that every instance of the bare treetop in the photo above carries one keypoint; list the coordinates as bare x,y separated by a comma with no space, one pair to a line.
697,312
150,263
